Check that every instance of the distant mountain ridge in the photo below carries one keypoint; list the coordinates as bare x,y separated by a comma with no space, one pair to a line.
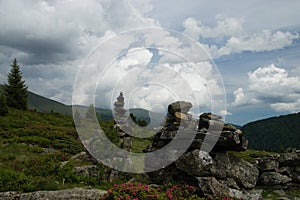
275,133
43,104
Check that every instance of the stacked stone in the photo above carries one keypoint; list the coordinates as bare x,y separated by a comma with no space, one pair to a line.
212,133
212,129
121,121
280,170
177,118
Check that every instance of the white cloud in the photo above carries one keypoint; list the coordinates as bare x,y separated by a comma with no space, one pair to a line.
271,85
54,37
224,27
262,41
225,112
237,38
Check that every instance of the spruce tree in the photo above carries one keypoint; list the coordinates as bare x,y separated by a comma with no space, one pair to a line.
3,105
16,90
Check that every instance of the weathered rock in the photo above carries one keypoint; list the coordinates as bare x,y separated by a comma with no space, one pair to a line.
285,171
86,170
296,177
268,165
211,125
229,166
70,194
210,116
215,189
230,182
211,186
289,159
229,127
273,178
181,117
249,195
179,106
195,163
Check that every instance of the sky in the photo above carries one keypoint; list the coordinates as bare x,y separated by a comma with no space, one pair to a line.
239,59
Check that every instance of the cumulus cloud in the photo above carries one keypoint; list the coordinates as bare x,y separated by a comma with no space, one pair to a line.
224,27
225,112
50,39
237,39
271,85
262,41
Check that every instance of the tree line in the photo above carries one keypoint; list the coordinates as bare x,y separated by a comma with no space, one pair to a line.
275,133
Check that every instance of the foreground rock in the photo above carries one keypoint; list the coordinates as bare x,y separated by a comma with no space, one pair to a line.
208,164
71,194
228,166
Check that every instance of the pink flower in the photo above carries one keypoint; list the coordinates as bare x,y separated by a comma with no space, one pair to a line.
109,191
135,199
170,196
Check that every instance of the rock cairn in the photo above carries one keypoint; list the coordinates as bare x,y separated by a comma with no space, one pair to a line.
230,138
210,131
121,122
177,117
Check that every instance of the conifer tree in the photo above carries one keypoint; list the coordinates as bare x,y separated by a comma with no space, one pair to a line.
16,90
3,105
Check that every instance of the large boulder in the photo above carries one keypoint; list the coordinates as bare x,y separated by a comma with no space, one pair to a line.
229,166
273,178
215,189
267,165
179,106
212,187
289,159
195,163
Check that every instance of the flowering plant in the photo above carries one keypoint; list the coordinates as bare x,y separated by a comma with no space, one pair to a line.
139,191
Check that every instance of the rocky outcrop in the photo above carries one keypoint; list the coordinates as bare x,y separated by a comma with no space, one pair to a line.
244,173
218,172
195,163
71,194
273,178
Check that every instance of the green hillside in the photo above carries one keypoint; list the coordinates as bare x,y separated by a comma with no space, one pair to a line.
42,104
36,150
274,134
